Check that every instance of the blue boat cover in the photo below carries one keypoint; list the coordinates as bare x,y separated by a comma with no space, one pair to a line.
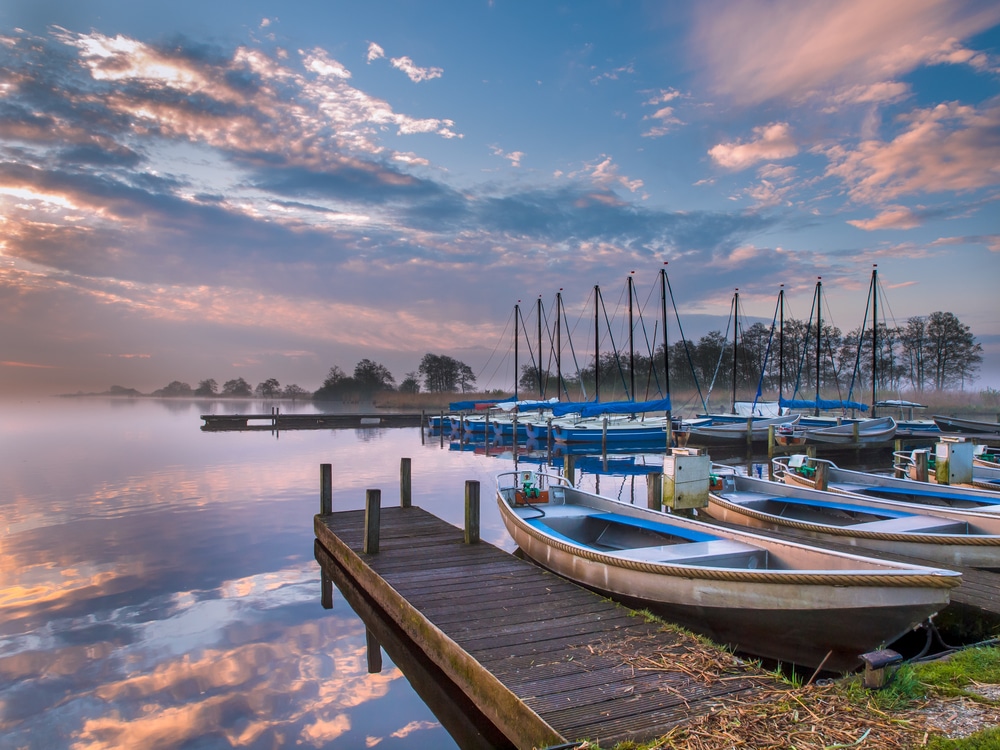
596,408
471,405
822,403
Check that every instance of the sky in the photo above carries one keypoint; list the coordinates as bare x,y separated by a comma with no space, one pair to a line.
265,190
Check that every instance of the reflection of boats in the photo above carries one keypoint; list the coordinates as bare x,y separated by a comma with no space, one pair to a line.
969,426
949,537
736,587
802,471
735,433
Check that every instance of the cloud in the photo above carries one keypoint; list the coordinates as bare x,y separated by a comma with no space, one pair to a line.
950,147
416,74
772,141
514,157
615,74
759,50
375,52
893,217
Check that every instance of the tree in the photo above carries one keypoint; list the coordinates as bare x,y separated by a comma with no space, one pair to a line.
207,388
914,341
371,376
293,392
270,388
237,388
951,351
441,373
337,386
411,383
176,388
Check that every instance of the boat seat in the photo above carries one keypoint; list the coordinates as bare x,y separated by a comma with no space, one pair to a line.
922,524
717,553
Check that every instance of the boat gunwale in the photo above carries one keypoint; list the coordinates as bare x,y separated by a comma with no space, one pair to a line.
899,577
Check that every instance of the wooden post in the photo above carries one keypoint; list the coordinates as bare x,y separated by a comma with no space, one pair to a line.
325,489
373,510
654,491
770,452
569,469
374,652
471,511
423,424
604,438
325,590
405,487
921,468
750,437
821,479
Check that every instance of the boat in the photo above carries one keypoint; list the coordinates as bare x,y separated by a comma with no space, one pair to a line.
734,586
967,426
865,431
802,471
944,536
921,464
735,433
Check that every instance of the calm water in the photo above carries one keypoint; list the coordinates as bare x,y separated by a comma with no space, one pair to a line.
159,587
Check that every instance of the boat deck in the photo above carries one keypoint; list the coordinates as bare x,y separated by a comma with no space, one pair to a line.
545,660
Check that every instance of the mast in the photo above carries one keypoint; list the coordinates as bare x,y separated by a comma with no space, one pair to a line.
559,342
819,336
666,360
874,335
541,386
631,349
736,325
597,343
517,314
781,342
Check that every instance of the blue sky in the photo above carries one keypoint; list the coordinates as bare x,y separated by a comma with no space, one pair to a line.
251,189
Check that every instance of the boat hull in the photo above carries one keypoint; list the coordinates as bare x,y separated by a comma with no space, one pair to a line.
822,617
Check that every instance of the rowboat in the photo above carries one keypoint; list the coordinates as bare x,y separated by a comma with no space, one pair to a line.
972,426
802,471
734,586
945,536
735,433
865,431
920,462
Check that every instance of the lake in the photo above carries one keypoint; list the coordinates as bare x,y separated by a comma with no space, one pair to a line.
159,587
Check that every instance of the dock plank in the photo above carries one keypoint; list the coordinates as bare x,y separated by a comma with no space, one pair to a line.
545,658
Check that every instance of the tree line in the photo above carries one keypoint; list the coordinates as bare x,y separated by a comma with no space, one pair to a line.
936,352
436,373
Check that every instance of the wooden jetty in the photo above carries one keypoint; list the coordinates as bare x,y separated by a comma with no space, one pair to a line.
546,661
278,421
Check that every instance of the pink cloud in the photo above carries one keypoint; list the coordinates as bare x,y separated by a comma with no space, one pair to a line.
757,50
894,217
772,141
950,147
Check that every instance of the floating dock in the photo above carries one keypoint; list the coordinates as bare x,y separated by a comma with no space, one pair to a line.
546,661
279,421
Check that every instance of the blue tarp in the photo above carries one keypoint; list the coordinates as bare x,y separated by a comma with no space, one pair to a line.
822,403
593,409
471,405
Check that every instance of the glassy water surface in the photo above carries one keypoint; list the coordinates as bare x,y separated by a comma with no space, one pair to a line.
159,587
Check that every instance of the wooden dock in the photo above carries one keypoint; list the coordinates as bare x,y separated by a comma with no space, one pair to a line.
278,421
546,661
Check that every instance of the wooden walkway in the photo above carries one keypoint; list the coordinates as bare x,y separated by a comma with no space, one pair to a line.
545,660
279,421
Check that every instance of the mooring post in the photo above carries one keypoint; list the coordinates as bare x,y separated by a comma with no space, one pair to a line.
822,479
373,510
569,469
750,436
654,491
404,483
604,437
441,430
423,424
325,489
325,590
922,466
471,511
374,652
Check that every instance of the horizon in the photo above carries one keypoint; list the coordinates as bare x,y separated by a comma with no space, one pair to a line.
193,192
